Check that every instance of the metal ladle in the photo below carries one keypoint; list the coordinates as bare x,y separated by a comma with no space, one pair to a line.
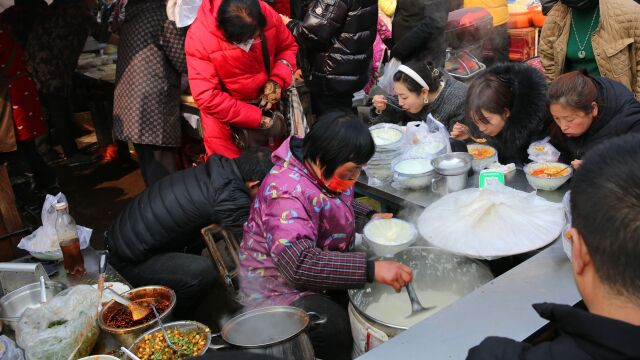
164,332
416,305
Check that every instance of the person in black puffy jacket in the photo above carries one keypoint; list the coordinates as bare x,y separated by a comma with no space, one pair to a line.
336,44
418,31
507,105
605,247
155,239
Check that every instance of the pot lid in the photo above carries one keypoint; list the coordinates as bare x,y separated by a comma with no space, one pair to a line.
265,326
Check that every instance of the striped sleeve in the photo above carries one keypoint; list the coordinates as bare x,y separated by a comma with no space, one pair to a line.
307,266
361,211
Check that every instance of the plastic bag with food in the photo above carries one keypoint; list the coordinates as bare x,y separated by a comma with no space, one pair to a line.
492,222
424,132
63,328
9,350
542,151
44,239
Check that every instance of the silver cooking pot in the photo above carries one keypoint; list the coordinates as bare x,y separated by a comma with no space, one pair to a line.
279,331
433,269
14,304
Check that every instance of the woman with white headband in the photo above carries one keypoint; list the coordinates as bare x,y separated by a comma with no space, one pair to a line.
421,89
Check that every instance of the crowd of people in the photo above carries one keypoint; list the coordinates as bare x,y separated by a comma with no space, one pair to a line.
290,200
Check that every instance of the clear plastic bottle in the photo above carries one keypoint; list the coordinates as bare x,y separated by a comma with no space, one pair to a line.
68,240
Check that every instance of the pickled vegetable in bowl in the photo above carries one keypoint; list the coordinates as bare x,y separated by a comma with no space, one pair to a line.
550,171
481,152
189,343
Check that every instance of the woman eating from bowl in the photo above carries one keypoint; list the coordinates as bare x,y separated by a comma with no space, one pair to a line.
507,104
297,241
421,89
589,110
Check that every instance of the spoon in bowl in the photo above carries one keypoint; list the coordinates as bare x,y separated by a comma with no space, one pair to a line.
549,172
137,311
164,332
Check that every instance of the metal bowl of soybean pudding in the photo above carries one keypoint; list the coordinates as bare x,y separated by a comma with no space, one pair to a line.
413,174
164,299
439,277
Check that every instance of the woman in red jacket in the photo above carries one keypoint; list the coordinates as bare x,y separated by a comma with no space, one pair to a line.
227,72
20,95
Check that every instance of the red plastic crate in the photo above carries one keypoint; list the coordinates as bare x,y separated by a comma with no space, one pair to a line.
522,44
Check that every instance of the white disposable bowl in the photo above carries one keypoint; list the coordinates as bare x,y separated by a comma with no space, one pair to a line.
386,136
385,237
543,183
48,255
481,164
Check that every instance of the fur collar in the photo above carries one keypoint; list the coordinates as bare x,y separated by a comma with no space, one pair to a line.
529,117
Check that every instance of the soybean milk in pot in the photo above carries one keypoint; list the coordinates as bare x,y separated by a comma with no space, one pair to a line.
440,278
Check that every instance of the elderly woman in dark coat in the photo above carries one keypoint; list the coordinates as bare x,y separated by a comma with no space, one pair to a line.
589,110
146,109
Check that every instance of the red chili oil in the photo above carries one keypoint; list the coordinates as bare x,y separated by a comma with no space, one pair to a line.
121,318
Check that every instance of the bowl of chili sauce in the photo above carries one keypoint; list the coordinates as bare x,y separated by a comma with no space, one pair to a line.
117,320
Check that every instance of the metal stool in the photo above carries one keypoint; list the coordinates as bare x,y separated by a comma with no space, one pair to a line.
223,249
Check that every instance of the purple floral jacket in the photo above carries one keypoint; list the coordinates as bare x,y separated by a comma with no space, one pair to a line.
298,236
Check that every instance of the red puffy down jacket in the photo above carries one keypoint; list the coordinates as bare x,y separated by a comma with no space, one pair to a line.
23,94
224,78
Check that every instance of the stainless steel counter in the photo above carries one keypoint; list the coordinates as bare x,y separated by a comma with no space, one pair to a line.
423,198
499,308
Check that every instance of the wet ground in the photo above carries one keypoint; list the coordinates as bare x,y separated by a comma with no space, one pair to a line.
96,194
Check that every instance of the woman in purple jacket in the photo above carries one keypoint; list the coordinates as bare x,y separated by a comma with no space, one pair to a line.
295,249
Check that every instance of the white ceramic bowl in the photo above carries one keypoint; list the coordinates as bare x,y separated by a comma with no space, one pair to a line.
385,237
547,183
413,174
482,163
100,357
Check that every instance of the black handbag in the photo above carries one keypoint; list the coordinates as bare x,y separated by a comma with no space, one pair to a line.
245,138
